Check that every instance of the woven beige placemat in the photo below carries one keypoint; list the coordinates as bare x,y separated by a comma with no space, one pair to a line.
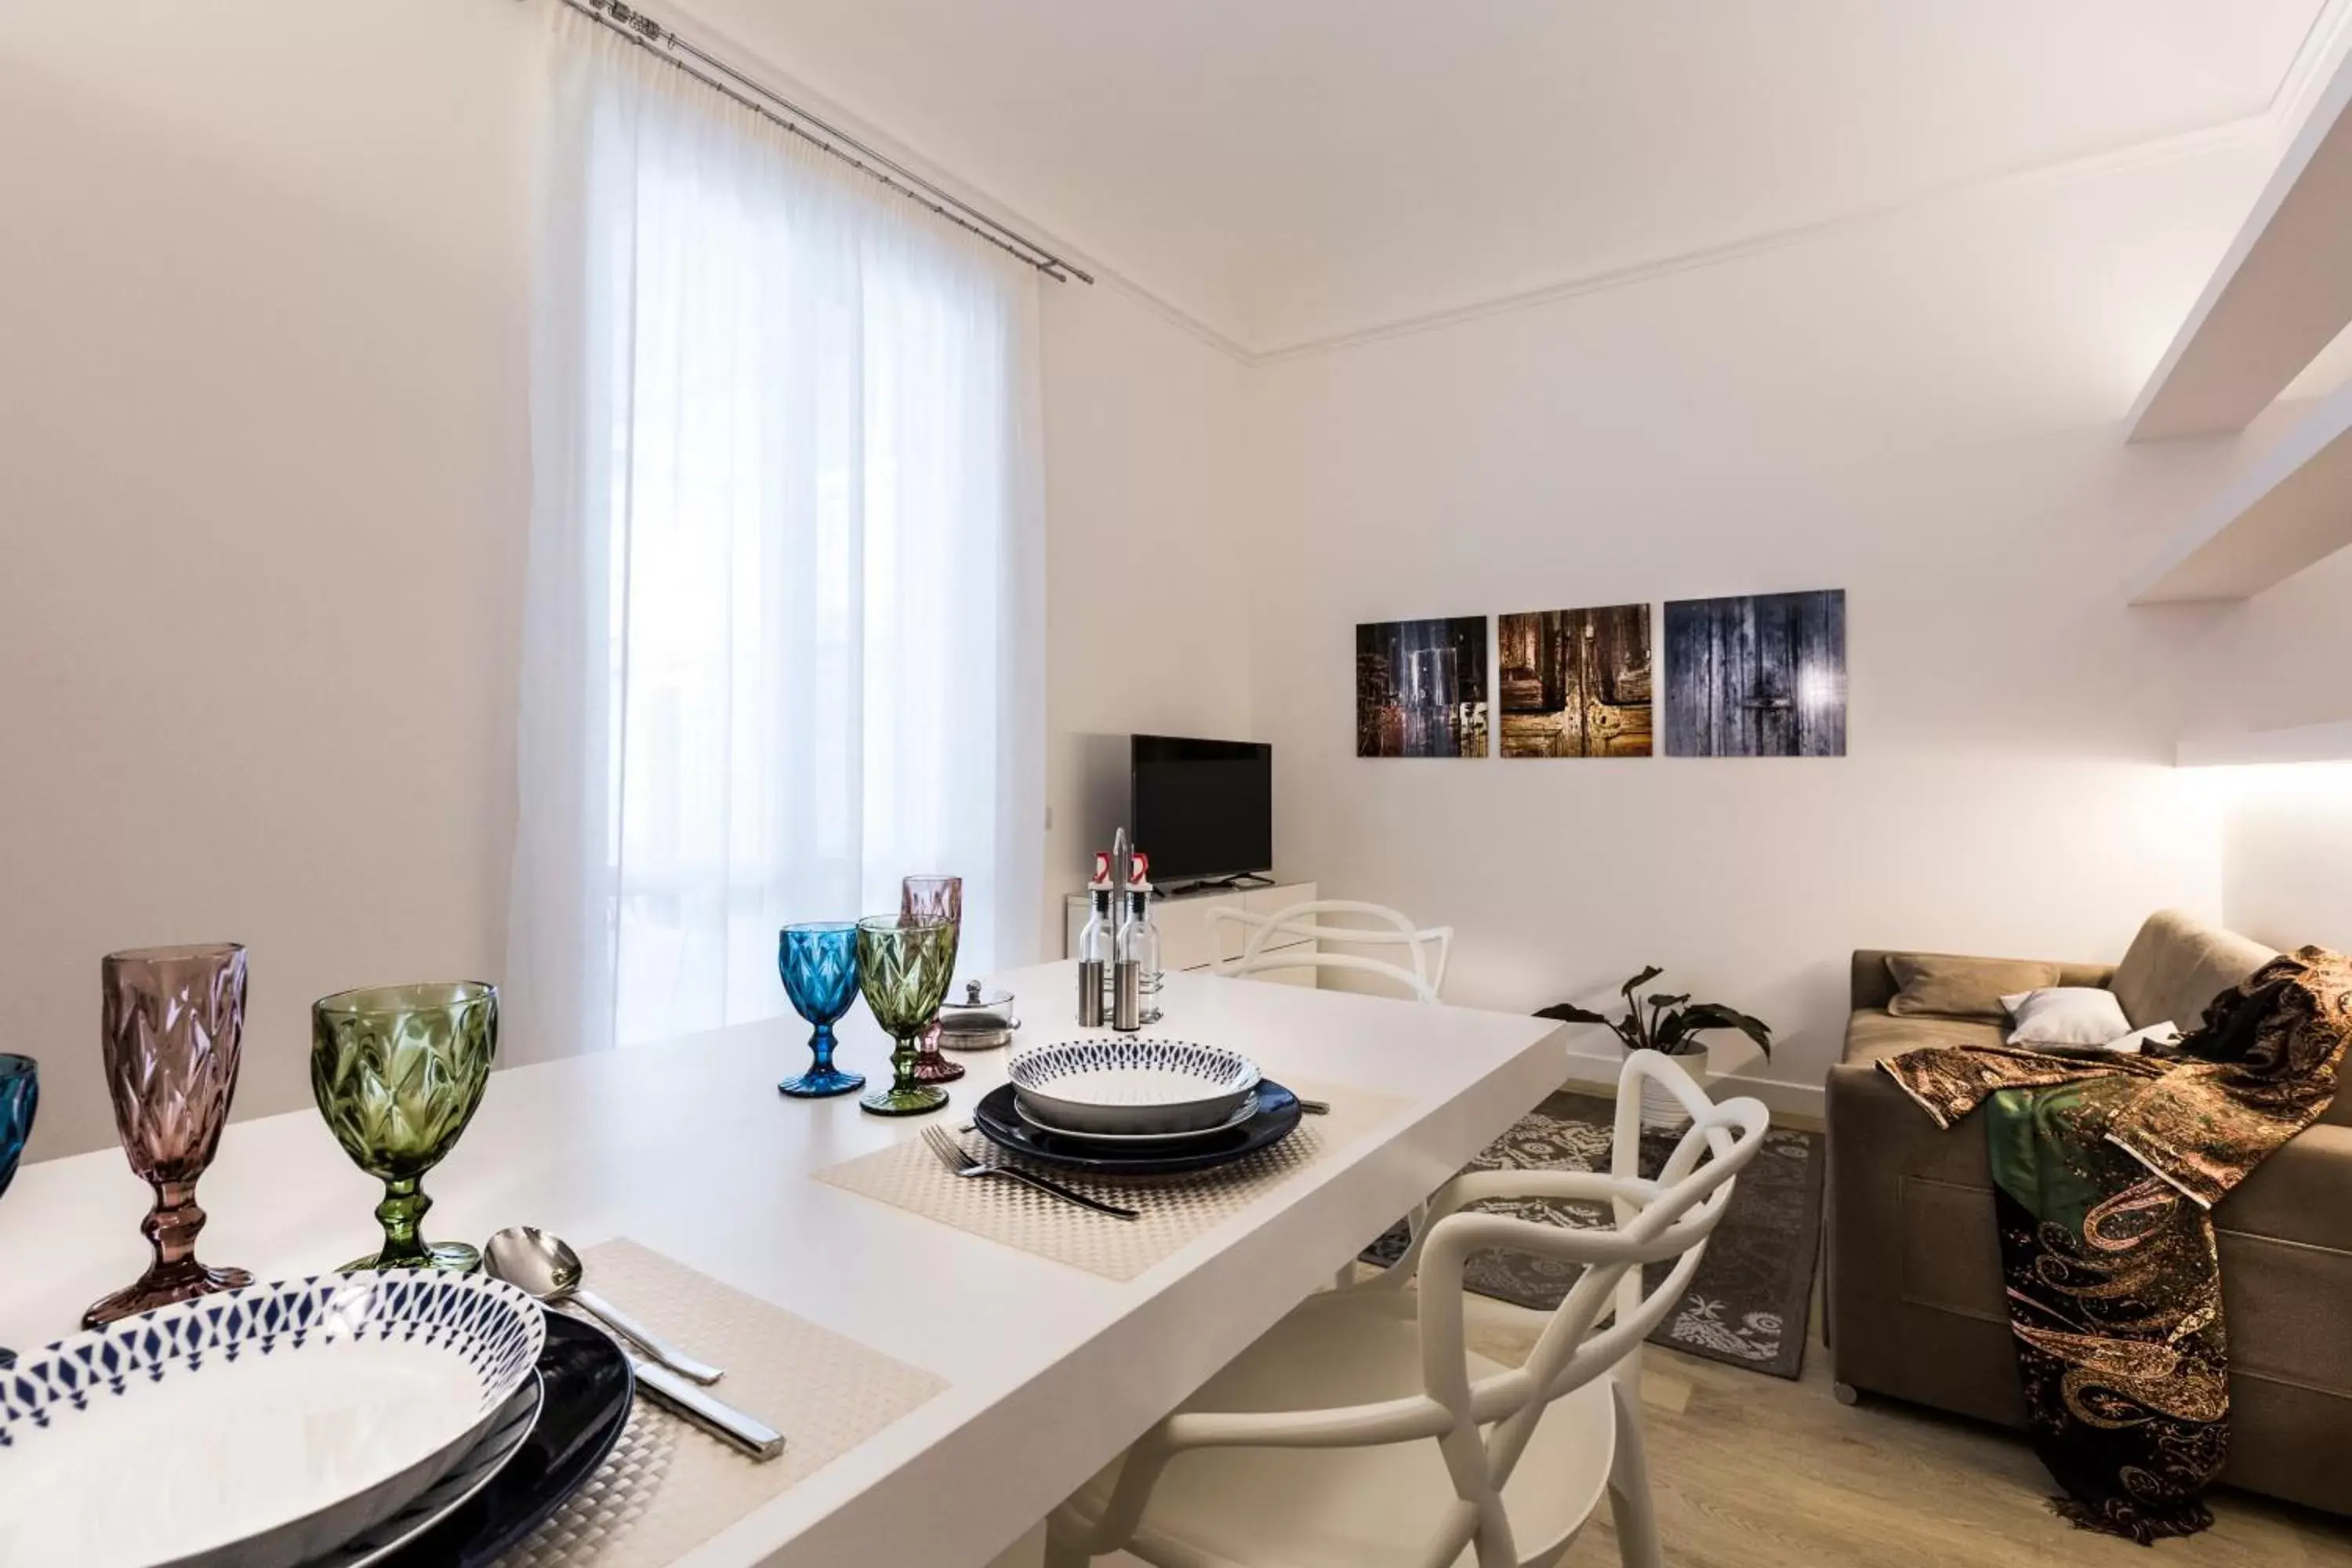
1175,1209
669,1485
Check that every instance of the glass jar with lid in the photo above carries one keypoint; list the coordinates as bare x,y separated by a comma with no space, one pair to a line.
980,1019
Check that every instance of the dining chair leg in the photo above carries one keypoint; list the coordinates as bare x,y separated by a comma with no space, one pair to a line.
1061,1552
1415,1223
1629,1486
1555,1557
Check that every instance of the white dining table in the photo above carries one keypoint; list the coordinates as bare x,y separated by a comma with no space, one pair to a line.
687,1148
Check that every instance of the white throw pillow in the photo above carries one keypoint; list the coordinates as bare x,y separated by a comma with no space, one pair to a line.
2131,1045
2164,1034
2075,1016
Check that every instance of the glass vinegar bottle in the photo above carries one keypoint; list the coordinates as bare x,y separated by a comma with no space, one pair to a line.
1139,943
1096,954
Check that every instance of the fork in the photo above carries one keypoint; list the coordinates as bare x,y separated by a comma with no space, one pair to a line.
950,1154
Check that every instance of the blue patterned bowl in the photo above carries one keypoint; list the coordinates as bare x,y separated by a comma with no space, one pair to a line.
1129,1084
259,1427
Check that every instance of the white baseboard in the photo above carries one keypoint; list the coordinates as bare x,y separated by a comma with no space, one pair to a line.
1591,1074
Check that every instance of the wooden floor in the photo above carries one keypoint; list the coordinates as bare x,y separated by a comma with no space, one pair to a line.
1751,1471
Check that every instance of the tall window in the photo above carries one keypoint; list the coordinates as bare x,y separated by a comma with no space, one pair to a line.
782,644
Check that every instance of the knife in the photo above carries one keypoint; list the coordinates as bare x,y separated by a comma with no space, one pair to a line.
714,1416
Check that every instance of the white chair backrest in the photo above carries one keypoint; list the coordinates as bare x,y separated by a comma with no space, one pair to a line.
1271,942
1666,1216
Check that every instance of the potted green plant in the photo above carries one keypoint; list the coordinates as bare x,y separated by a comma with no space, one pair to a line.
1672,1024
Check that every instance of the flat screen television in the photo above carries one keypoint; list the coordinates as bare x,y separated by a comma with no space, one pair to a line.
1202,808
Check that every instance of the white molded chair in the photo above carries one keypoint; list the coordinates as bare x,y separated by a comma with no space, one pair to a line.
1428,947
1301,931
1362,1433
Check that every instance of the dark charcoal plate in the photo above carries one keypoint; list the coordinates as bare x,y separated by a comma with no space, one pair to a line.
1277,1114
588,1390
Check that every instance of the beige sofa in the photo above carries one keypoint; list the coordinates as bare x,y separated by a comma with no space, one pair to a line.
1914,1288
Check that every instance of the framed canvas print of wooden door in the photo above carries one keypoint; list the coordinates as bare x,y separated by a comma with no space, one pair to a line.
1576,683
1421,688
1759,675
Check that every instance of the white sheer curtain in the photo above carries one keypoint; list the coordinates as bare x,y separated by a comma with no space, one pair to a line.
783,628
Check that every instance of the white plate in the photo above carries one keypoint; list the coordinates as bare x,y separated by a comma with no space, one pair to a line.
258,1428
1242,1113
478,1468
1130,1084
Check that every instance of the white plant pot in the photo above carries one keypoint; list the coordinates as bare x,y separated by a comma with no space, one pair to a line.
1659,1106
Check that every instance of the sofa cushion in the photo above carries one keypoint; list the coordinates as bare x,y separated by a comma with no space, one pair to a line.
1873,1034
1931,983
1906,1142
1871,978
2300,1196
2178,965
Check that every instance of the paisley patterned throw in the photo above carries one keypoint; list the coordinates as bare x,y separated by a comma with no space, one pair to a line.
2103,1171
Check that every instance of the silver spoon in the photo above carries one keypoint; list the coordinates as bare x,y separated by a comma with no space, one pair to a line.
543,1266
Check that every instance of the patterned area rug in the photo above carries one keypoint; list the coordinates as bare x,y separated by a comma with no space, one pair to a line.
1749,1301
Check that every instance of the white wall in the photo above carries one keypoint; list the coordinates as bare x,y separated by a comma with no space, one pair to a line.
1920,412
264,426
2287,854
2280,661
1146,571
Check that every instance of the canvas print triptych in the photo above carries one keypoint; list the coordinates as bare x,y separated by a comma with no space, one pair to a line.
1760,675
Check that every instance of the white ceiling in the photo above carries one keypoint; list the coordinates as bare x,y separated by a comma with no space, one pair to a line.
1290,171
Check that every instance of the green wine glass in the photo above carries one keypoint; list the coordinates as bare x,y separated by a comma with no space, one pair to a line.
398,1071
904,966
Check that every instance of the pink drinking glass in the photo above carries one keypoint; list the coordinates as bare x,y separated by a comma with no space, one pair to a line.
175,1023
922,900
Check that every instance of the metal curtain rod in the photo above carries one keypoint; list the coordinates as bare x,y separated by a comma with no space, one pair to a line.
687,57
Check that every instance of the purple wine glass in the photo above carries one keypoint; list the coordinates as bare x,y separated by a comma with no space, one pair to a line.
174,1022
921,901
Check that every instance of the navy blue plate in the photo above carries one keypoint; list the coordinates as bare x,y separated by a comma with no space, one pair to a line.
996,1115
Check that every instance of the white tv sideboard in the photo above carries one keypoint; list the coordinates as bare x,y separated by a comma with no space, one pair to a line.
1188,940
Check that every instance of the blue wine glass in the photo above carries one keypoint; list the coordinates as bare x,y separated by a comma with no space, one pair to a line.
819,963
20,1095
